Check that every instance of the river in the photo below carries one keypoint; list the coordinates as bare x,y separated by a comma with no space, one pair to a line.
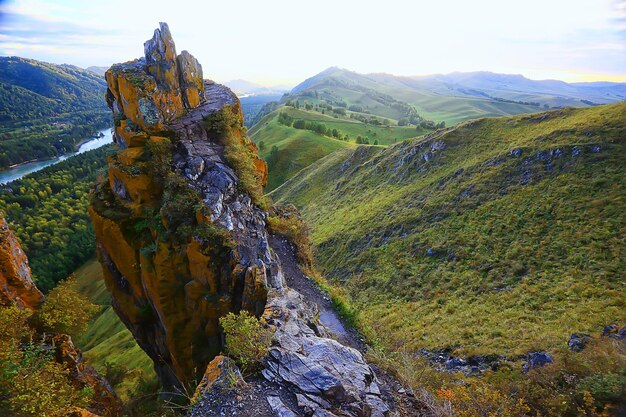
19,171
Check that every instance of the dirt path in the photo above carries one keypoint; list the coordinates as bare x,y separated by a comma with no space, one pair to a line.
297,280
399,395
251,400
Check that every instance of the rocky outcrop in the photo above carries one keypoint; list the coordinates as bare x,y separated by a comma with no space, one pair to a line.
17,288
105,402
16,283
323,373
181,235
180,238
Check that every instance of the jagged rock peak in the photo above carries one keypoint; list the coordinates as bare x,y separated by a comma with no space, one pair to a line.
160,52
16,283
180,232
158,88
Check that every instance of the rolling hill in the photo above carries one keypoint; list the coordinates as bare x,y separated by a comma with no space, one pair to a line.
461,96
288,149
47,109
358,102
496,236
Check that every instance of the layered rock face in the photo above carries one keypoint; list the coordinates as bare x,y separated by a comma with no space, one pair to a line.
16,283
181,241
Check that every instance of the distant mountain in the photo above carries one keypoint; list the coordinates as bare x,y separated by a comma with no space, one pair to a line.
46,109
247,88
97,70
461,96
33,88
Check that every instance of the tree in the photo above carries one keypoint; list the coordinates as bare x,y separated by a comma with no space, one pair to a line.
261,145
66,310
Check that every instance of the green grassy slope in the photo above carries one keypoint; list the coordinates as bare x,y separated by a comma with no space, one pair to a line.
107,342
298,148
500,235
458,96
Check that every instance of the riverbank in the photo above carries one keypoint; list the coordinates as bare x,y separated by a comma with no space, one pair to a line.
17,171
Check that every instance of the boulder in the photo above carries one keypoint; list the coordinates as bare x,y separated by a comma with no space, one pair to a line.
537,360
221,374
279,408
578,341
323,370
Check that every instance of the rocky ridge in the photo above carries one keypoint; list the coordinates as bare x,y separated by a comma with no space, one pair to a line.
181,235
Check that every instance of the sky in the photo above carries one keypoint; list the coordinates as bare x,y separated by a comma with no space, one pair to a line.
285,41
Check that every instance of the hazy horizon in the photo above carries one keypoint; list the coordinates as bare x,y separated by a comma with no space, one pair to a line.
274,43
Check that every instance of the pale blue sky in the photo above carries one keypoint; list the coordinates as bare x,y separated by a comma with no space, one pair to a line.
285,41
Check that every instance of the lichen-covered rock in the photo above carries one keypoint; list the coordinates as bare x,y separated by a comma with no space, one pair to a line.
104,402
191,81
181,241
160,53
221,374
16,283
153,90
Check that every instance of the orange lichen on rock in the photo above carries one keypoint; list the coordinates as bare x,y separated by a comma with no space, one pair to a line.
221,373
105,402
179,237
16,283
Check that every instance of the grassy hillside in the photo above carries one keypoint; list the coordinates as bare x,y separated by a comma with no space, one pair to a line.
386,109
458,96
497,236
298,148
47,109
107,344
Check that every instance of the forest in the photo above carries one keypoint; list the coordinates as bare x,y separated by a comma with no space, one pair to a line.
47,210
46,109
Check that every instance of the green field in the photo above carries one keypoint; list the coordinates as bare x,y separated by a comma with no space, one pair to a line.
497,236
107,343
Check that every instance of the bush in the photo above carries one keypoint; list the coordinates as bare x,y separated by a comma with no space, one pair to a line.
66,310
31,383
480,399
247,341
38,386
286,221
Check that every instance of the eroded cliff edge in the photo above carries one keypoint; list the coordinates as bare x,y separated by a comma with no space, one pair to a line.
181,239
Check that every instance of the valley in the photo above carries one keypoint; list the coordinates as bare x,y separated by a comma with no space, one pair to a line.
359,245
47,110
450,227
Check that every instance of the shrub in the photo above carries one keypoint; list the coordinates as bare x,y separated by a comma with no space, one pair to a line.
38,386
286,221
480,399
31,383
247,341
66,310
